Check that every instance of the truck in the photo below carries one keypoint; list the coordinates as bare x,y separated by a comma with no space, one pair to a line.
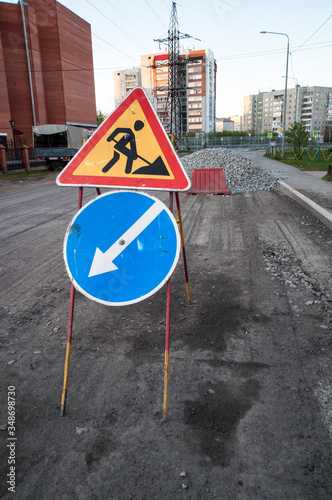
57,144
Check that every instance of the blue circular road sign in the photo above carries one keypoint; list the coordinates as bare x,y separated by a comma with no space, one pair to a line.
121,247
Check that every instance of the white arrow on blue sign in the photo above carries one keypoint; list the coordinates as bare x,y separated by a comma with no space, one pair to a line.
121,248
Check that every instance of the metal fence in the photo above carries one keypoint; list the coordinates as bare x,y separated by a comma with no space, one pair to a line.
245,142
254,142
14,158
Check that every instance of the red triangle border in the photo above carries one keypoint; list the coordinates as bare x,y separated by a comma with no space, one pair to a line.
180,182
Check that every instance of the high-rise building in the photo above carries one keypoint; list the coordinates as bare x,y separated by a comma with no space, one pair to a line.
198,87
312,105
249,112
124,81
46,68
238,122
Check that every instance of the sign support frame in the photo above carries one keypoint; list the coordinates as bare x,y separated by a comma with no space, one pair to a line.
168,311
182,244
70,329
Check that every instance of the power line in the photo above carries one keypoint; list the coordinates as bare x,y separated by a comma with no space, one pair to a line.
162,22
89,30
108,43
126,17
165,4
313,33
274,51
58,70
198,10
114,24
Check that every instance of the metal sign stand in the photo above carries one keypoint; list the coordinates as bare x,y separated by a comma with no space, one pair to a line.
70,329
168,312
182,244
70,324
168,302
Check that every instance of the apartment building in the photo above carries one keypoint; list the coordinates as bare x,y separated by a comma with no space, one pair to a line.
249,112
197,73
125,81
46,77
238,122
312,105
316,108
224,125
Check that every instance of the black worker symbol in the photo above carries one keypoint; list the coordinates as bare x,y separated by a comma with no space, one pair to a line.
126,146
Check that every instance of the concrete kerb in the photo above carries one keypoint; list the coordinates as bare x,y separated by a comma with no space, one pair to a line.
322,214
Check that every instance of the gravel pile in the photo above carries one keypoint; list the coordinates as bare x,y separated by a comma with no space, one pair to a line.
242,175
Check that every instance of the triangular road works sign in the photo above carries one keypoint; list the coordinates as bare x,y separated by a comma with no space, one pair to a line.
129,150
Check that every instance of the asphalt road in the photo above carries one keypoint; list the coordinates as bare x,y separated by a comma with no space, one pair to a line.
250,412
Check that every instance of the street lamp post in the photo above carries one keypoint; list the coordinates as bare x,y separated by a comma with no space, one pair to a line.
12,124
285,98
296,94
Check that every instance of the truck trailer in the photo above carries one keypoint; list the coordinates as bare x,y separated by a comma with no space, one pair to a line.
57,144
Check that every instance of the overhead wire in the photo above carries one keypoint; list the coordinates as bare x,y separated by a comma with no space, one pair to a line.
127,19
225,58
307,40
291,65
162,22
197,10
108,43
167,7
58,70
90,31
114,24
274,51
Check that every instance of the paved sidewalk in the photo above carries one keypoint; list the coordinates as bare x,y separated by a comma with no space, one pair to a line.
309,185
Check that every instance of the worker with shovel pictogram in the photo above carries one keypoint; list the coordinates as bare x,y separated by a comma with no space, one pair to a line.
157,167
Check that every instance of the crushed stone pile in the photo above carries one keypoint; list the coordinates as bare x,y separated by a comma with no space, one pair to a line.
242,175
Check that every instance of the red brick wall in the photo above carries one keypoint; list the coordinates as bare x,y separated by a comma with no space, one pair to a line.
50,60
77,63
59,42
14,57
36,66
4,99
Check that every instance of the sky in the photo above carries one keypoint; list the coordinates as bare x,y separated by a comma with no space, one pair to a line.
247,61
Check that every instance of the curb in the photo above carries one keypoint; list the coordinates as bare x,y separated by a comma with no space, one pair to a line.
322,214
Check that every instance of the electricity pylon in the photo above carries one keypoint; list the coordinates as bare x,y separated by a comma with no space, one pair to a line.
176,88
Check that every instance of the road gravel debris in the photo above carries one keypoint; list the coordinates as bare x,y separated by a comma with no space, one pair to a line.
242,174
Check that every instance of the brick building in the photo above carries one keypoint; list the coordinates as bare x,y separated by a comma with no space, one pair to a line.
58,88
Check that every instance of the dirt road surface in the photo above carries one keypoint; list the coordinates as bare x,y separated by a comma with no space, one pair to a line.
250,413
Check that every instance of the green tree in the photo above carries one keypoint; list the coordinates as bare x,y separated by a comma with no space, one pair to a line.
100,117
298,137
